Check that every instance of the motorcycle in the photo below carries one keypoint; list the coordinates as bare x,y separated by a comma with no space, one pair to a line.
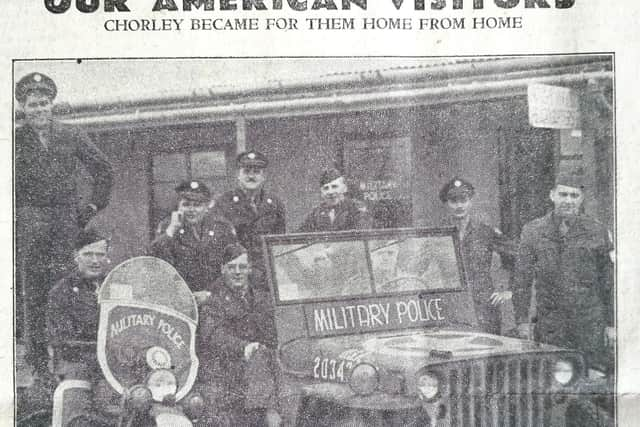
146,351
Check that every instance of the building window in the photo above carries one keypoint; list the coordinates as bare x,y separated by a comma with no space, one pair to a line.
381,171
170,169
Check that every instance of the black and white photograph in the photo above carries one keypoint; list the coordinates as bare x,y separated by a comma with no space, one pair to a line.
315,241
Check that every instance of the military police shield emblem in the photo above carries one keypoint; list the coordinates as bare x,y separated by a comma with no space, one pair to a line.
148,319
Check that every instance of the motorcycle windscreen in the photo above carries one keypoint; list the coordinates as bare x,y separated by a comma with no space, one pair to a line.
148,319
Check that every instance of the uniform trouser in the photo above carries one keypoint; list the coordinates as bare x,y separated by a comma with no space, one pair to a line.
44,250
489,318
244,400
581,329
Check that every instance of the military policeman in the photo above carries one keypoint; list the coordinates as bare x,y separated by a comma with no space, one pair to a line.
72,311
238,335
252,210
48,216
478,243
566,255
337,212
193,240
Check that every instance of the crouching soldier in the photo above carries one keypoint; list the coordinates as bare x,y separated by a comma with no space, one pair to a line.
237,335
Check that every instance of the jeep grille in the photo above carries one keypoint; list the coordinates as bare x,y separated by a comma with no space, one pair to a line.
501,392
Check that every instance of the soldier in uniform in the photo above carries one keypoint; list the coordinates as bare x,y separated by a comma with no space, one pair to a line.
48,216
252,210
566,255
337,212
238,335
478,243
72,311
192,240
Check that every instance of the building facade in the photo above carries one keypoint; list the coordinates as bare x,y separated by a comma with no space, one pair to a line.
398,133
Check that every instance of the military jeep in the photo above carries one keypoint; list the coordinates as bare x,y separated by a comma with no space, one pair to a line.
378,328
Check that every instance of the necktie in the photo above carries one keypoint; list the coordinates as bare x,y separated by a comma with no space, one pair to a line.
44,140
332,215
564,228
253,205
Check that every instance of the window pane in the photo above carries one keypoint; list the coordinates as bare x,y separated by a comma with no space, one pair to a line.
217,186
164,196
169,167
321,270
410,264
208,164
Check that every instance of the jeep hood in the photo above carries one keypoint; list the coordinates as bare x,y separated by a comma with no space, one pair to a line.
406,351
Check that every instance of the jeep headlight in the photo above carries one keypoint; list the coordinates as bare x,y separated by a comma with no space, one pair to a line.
563,371
364,379
429,386
162,383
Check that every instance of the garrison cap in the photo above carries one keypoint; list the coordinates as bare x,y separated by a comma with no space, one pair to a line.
252,158
570,179
194,190
328,175
456,187
35,82
232,251
87,237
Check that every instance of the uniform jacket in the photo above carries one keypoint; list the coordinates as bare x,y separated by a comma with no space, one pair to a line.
228,322
478,245
46,176
197,258
72,315
267,218
572,274
350,214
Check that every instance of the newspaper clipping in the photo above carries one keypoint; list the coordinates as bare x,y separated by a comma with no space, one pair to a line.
319,212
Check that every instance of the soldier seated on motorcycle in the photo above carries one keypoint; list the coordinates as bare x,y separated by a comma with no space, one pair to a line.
72,312
236,347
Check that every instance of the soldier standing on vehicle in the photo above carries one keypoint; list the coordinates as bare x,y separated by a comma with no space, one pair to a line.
72,311
47,158
193,241
478,243
252,210
566,255
337,212
237,334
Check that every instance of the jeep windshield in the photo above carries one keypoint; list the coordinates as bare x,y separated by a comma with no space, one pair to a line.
327,284
339,265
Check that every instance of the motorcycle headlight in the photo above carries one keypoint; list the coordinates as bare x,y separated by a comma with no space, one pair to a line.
162,383
158,358
140,397
429,386
194,405
563,372
364,379
173,420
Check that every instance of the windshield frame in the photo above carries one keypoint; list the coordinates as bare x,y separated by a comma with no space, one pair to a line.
364,236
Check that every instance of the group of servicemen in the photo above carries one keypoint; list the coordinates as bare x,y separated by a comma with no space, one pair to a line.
215,245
